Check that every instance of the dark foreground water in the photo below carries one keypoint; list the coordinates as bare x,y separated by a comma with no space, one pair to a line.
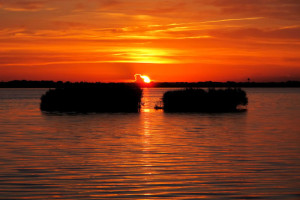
151,155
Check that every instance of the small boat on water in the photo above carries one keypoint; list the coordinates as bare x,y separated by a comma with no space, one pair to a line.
158,105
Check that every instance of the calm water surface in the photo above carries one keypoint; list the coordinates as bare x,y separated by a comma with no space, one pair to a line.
152,154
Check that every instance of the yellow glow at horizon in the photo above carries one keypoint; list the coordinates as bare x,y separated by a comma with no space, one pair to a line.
145,55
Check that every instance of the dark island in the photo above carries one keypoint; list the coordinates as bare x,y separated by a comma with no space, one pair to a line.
199,100
93,98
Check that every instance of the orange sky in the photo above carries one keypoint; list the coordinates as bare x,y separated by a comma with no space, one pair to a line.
169,40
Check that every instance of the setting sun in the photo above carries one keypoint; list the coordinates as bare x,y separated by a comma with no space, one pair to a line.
146,79
142,78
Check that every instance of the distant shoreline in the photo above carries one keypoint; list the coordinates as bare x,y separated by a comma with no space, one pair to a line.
208,84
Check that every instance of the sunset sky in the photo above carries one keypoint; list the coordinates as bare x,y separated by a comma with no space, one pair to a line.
168,40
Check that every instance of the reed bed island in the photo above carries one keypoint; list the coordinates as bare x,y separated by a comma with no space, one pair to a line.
93,98
199,100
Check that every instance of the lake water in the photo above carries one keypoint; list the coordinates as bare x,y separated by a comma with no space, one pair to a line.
152,154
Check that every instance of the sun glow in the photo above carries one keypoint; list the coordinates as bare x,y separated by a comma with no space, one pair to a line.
146,79
142,78
145,55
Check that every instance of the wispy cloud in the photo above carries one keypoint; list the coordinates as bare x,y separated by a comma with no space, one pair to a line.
24,5
275,9
233,19
287,33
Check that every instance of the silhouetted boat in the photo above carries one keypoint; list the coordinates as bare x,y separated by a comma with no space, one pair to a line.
158,105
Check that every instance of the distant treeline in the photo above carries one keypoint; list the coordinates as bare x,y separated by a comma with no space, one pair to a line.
53,84
208,84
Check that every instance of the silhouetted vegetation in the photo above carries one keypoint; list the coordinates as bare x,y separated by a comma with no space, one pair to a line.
93,98
199,100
